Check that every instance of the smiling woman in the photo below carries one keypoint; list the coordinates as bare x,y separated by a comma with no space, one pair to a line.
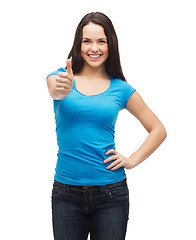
96,29
90,191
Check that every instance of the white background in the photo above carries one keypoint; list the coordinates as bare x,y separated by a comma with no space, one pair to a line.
158,55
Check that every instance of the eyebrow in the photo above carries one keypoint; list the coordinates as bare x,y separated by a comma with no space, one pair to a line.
98,39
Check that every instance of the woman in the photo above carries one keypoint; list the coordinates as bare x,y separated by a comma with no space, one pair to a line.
90,192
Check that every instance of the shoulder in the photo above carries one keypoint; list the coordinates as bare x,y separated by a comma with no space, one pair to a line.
57,71
117,81
61,70
121,84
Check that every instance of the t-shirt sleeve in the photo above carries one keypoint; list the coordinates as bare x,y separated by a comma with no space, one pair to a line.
127,91
56,72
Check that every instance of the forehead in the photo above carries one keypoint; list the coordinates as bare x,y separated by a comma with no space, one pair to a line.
92,30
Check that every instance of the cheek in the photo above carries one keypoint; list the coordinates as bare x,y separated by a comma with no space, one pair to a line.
105,50
84,49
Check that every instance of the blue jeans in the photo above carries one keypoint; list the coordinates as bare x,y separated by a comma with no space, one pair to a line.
102,211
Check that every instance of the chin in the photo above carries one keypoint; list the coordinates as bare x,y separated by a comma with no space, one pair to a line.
95,65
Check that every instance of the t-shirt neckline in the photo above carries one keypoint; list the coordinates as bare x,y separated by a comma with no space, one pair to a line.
94,95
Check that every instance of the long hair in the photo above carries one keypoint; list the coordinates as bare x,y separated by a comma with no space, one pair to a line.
112,63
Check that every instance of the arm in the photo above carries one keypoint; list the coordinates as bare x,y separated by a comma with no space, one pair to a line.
151,123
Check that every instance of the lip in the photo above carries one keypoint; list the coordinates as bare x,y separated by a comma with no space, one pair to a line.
94,58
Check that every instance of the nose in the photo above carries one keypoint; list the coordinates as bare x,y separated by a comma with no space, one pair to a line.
94,47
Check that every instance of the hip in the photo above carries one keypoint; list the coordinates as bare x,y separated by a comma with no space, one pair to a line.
115,191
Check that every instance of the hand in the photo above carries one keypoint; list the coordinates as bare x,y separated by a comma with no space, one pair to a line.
120,161
65,80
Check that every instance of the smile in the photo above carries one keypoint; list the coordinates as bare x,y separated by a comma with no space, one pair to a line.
94,56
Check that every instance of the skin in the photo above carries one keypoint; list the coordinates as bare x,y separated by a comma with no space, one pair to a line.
151,123
94,42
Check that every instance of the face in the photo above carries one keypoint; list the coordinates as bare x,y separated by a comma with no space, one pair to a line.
94,46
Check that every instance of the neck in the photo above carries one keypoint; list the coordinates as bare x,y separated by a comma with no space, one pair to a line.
94,73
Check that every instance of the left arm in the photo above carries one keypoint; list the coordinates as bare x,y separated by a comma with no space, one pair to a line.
151,123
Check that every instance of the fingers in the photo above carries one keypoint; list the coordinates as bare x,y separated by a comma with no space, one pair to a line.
69,67
110,158
118,160
111,151
62,76
114,164
62,85
62,90
65,80
113,157
117,165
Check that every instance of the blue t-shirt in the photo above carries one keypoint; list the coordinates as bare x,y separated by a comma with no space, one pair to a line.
85,128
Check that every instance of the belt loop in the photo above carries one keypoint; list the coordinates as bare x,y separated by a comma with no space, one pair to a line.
67,187
103,188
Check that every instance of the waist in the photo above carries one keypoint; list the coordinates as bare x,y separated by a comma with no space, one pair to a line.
92,187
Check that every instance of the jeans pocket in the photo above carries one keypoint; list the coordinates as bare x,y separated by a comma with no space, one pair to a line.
119,192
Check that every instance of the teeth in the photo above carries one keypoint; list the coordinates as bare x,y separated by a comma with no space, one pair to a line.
94,56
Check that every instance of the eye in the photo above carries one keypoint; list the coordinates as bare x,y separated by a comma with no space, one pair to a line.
85,41
103,41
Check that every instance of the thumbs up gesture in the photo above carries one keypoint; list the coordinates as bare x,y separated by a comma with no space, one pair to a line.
65,80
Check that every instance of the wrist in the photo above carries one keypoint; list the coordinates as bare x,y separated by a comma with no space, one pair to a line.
131,163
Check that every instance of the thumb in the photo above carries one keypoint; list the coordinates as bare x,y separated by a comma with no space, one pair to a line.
69,67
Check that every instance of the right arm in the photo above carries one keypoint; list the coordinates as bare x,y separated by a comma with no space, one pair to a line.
60,85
